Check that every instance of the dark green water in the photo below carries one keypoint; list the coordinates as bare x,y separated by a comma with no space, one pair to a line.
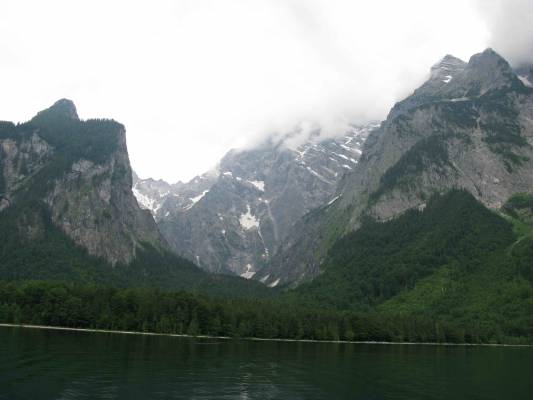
40,364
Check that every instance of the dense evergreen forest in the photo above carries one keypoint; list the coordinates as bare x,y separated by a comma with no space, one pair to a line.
455,261
454,272
153,310
380,260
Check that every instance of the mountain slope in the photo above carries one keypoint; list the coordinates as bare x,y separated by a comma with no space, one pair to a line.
470,126
455,261
67,211
231,219
81,171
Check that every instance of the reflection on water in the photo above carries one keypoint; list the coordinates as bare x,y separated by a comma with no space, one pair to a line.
40,364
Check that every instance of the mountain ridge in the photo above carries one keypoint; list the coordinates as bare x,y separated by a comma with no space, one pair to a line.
425,146
232,218
68,213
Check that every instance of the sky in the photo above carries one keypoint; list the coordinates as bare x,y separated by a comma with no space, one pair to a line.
191,79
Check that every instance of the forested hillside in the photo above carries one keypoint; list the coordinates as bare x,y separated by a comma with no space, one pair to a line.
67,211
455,261
428,238
453,272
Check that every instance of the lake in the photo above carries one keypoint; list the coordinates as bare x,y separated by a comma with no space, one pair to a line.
47,364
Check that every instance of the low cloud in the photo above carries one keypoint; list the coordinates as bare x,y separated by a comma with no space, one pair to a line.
510,25
192,78
340,62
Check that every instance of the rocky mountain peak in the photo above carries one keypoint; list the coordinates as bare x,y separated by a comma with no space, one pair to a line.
232,218
486,56
489,64
450,59
63,108
452,79
79,174
447,67
473,132
485,71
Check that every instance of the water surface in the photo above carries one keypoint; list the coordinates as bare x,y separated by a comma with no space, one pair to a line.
44,364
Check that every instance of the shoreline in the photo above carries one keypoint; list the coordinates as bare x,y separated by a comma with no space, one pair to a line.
179,335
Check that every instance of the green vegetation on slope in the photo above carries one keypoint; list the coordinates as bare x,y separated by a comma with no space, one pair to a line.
152,310
31,247
380,260
456,261
431,150
520,207
71,140
455,272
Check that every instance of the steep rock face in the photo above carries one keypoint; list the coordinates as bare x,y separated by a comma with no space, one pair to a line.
480,141
80,172
20,160
472,130
232,219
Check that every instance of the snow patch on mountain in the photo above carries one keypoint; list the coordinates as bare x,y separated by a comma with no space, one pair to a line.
248,274
196,199
333,200
460,99
259,185
275,283
525,81
248,221
252,201
341,156
145,202
311,170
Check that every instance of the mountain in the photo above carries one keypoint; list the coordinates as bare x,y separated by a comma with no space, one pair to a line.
470,127
163,199
67,210
418,229
455,261
231,219
80,171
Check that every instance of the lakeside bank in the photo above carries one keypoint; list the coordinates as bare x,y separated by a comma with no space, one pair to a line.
177,335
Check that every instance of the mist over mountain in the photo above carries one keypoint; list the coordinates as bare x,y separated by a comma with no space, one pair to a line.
510,29
211,76
319,199
232,219
469,126
68,213
431,217
419,226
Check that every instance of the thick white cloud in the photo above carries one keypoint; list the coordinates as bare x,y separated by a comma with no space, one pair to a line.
510,23
190,79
